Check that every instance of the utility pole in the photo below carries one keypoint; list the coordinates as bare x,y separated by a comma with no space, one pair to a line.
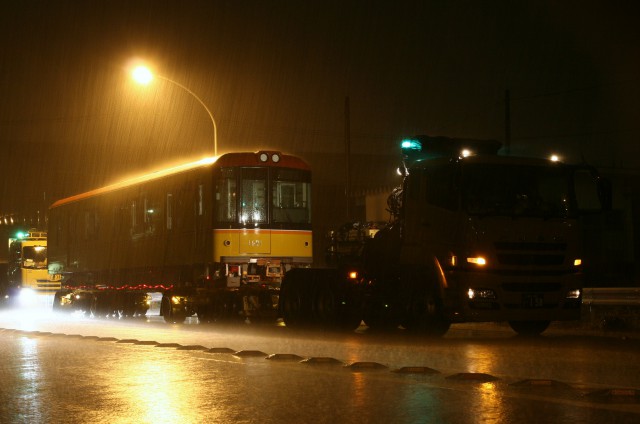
507,121
347,153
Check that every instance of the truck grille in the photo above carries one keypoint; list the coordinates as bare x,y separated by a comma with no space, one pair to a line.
530,254
530,246
531,287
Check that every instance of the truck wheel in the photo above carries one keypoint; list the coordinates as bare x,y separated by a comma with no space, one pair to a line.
378,316
424,315
529,328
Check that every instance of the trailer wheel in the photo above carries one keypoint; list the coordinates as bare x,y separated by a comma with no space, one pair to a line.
293,309
424,315
529,328
224,307
204,314
171,316
57,300
331,308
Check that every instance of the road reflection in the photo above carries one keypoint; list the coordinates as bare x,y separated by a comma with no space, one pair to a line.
30,374
490,404
157,389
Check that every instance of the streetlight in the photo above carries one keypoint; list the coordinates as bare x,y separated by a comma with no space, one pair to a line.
144,76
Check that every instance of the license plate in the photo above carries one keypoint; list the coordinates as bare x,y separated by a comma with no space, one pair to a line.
532,300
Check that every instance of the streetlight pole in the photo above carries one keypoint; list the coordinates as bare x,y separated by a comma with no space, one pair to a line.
144,76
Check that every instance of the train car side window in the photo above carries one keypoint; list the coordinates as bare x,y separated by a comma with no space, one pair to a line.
90,224
169,213
225,196
152,215
132,211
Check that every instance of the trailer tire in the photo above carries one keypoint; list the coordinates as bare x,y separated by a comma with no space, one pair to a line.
424,314
223,308
57,299
204,314
529,328
169,313
330,307
295,311
292,309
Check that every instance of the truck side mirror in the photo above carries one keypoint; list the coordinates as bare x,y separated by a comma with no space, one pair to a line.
604,193
593,192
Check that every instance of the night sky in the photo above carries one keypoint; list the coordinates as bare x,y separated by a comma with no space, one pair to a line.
275,74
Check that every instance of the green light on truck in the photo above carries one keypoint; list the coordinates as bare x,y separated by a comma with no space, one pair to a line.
410,144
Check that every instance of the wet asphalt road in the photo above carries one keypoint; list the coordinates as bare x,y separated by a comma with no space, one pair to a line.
77,370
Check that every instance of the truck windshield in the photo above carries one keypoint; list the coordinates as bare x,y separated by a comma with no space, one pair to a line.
34,256
517,190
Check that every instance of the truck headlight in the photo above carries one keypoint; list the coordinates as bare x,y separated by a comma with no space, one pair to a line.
27,296
478,260
481,294
573,294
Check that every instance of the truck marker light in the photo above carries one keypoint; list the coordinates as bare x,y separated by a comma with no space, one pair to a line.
478,260
573,294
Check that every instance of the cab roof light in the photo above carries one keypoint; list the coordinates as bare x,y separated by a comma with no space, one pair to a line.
411,144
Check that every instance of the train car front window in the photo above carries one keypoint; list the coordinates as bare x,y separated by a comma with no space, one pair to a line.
253,201
291,197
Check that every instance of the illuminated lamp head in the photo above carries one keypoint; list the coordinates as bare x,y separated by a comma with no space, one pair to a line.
411,144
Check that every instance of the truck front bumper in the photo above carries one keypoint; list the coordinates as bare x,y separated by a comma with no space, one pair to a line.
486,296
